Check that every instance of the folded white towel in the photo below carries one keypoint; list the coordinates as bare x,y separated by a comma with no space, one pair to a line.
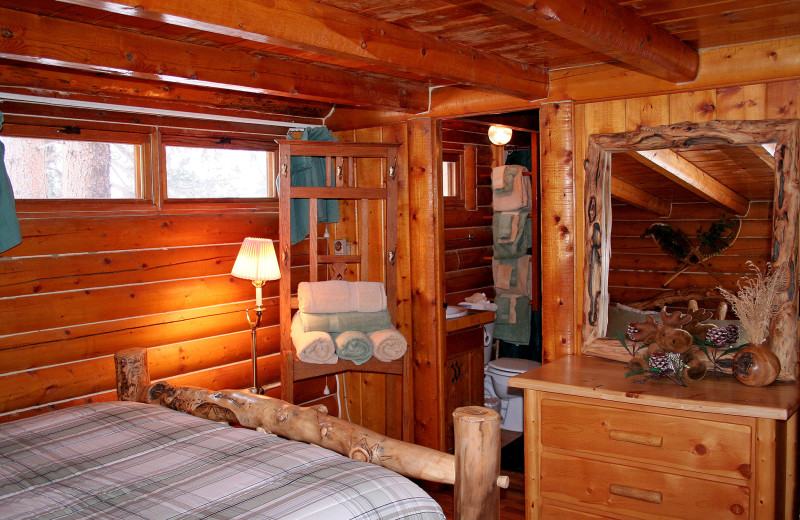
389,344
314,346
339,296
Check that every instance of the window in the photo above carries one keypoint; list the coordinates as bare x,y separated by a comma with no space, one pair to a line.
87,165
201,168
451,175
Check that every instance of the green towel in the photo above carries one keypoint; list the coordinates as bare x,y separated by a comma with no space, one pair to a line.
344,321
354,345
10,235
518,332
517,247
310,171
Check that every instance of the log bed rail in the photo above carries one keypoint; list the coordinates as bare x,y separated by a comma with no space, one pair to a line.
474,469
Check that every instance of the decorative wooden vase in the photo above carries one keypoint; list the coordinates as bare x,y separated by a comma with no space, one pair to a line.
756,365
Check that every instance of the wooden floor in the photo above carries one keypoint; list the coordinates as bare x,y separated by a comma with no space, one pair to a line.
512,500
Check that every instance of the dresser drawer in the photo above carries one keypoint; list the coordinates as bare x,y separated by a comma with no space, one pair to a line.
640,493
553,512
671,441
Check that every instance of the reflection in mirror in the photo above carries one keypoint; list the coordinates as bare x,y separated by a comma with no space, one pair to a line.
721,190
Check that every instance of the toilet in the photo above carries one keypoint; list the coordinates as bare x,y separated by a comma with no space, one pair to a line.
495,384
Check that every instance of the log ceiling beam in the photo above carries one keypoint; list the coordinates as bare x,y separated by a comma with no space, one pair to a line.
639,198
765,155
48,82
310,27
78,46
686,174
612,29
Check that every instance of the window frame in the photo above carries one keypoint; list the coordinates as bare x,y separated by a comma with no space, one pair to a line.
91,133
457,183
206,140
151,169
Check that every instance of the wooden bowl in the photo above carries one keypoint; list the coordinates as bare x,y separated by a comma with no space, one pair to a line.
756,365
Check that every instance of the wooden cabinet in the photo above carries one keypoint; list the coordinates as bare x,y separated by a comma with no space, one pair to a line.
463,374
599,445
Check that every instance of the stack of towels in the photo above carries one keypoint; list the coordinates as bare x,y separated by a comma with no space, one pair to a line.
347,320
511,265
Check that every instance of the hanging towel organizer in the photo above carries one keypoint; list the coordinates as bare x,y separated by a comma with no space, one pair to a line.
341,183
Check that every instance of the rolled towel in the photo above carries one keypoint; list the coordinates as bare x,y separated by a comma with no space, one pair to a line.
354,345
335,296
389,344
312,347
341,321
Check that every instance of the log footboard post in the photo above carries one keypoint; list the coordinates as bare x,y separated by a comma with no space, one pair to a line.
132,374
477,461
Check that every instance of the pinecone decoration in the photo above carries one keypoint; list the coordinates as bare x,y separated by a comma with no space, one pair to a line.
660,361
630,332
720,337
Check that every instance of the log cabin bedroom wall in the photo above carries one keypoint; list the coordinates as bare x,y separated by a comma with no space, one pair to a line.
89,280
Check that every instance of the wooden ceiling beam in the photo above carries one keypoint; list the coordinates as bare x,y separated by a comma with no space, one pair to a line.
686,174
614,30
48,82
50,41
311,27
639,198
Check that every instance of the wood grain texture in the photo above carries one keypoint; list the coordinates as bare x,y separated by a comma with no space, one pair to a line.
427,279
559,323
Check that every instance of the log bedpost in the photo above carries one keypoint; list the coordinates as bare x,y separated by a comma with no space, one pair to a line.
474,470
132,374
477,453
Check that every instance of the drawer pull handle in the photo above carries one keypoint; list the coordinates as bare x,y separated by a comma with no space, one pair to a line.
637,438
653,497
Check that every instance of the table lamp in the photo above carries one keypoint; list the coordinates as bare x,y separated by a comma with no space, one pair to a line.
256,261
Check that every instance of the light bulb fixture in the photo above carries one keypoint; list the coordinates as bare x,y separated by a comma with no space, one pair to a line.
258,263
499,135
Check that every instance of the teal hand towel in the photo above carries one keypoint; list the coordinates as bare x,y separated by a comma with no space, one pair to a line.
513,319
355,346
344,321
10,235
310,171
520,243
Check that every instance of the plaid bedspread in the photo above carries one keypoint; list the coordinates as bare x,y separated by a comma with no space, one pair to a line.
134,461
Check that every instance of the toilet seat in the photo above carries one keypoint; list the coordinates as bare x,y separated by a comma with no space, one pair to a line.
511,366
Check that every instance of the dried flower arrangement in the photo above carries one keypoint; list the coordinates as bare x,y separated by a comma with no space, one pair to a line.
758,299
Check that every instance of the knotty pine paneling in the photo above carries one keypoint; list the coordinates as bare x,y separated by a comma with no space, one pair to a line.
637,263
82,286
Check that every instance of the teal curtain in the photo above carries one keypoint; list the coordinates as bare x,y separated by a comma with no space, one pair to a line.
10,235
310,171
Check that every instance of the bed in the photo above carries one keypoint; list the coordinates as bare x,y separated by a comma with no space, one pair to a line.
143,458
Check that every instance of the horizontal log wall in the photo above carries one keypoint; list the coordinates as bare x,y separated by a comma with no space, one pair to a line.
83,285
468,233
776,100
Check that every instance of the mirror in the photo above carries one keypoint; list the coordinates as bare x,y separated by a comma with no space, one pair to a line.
688,138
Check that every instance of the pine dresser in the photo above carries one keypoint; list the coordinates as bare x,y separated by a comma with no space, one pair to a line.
599,446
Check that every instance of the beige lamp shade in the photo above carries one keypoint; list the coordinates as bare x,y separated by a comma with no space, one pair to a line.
256,261
499,135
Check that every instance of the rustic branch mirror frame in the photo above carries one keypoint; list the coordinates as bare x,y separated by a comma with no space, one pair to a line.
686,136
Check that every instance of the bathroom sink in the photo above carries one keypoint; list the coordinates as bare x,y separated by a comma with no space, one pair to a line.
455,312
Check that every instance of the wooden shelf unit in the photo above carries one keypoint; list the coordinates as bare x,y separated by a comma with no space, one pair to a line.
599,445
342,162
